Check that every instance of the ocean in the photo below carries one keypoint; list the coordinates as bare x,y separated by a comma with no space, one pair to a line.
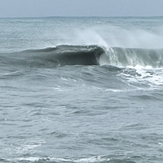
81,90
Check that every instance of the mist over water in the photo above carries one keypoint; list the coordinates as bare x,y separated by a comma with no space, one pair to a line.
81,90
112,32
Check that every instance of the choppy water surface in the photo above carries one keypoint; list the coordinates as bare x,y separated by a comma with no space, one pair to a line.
79,90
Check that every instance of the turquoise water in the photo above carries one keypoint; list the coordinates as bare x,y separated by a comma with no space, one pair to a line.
81,90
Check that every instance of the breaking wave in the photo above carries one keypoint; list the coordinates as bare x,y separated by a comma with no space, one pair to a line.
123,57
85,55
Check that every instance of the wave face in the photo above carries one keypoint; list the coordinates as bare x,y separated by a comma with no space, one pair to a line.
54,57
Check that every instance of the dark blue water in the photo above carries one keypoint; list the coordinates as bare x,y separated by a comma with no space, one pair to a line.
79,90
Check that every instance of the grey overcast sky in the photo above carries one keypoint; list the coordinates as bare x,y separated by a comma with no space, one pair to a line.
106,8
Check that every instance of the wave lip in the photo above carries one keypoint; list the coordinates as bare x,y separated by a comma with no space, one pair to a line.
65,55
81,55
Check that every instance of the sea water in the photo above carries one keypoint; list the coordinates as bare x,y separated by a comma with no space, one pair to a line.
79,90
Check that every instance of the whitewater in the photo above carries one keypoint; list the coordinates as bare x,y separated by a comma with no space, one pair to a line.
81,90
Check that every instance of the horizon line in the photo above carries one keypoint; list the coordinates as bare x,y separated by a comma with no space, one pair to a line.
10,17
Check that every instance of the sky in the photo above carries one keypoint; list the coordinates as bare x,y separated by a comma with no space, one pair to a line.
101,8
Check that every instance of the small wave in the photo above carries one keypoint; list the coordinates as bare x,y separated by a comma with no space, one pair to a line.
93,159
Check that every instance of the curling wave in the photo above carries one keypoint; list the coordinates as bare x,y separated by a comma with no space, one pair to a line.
54,57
